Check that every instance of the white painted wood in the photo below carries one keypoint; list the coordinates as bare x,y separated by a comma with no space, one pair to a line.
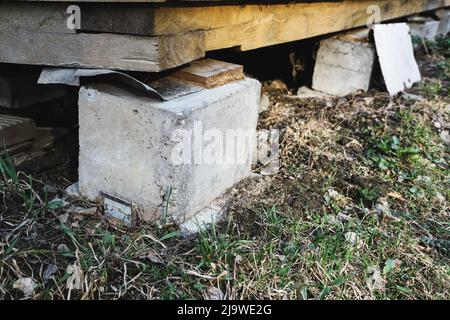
396,56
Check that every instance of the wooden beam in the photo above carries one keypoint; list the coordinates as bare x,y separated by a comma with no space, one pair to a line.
106,51
145,37
254,26
244,26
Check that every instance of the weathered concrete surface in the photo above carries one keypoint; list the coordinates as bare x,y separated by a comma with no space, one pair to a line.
444,24
396,56
127,146
343,66
424,28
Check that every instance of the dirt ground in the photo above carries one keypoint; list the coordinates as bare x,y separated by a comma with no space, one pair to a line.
358,210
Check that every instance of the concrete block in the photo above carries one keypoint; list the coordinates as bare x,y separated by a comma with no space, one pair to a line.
444,22
343,66
423,28
135,148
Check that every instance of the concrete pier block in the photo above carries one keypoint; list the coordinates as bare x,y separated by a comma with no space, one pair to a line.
167,158
444,22
343,66
423,28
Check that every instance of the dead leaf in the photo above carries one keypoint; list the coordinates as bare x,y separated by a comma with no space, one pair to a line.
26,285
75,280
396,195
376,281
153,257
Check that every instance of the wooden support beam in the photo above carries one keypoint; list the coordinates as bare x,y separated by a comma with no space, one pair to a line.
244,26
105,51
146,37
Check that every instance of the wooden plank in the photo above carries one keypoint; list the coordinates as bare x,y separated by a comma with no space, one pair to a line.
210,73
244,26
166,36
254,26
14,130
105,51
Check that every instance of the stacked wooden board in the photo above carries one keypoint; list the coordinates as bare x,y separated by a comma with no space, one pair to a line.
20,137
152,36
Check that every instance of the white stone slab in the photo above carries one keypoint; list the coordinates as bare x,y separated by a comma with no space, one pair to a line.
396,56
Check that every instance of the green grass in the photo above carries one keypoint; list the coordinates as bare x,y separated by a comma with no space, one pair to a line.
336,223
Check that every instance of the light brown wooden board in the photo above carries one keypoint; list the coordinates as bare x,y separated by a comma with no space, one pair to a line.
210,73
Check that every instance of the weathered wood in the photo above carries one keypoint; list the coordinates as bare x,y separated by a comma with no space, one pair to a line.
105,51
244,26
210,73
14,130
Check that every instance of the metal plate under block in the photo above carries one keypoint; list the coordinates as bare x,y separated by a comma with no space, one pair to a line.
118,209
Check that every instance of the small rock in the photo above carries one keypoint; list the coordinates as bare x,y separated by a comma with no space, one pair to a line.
445,137
383,208
341,101
26,285
49,272
62,248
410,96
73,191
351,237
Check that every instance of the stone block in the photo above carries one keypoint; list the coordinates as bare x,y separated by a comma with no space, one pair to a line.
343,66
137,148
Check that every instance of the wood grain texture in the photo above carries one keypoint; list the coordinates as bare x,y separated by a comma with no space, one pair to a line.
104,51
146,37
244,26
254,26
210,73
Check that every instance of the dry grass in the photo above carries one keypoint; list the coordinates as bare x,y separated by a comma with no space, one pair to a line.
359,210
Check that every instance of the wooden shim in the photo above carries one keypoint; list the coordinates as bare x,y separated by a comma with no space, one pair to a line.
210,73
104,51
